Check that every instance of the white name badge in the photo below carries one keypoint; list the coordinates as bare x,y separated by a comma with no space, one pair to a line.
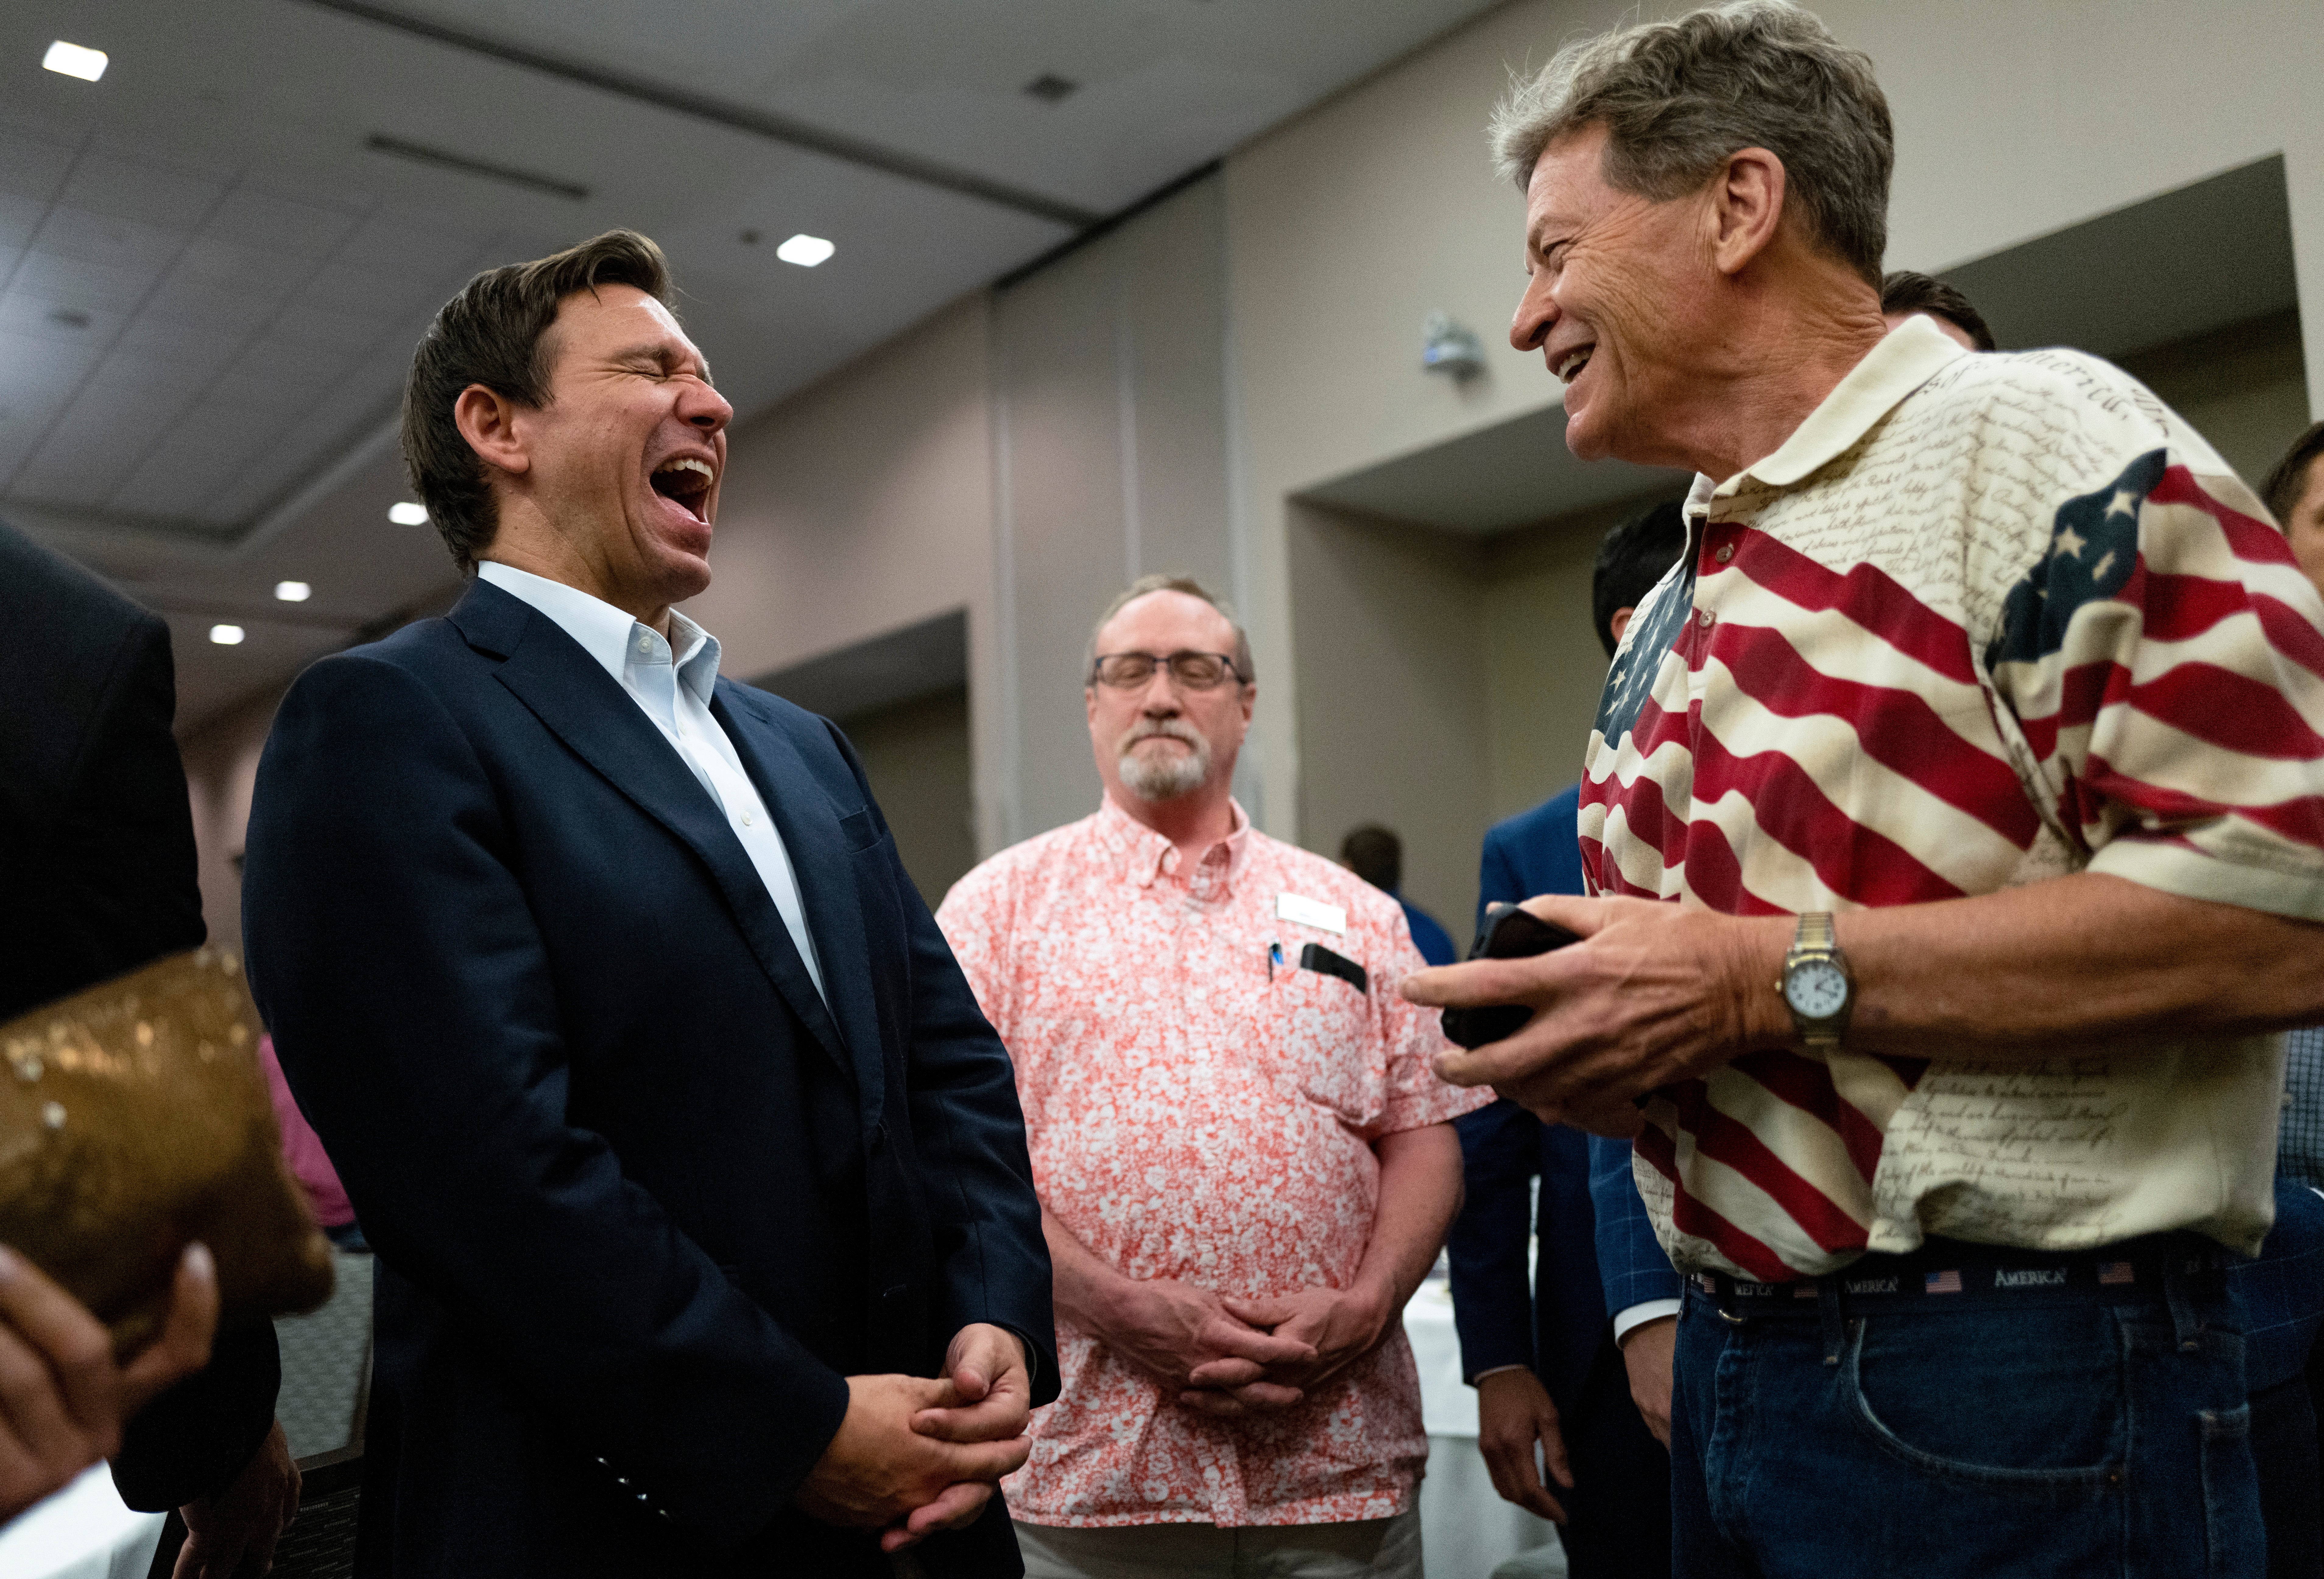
1307,912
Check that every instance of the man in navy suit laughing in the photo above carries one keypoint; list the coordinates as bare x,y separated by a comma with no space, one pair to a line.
707,1241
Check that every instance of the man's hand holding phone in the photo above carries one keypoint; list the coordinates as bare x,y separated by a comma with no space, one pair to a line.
1638,994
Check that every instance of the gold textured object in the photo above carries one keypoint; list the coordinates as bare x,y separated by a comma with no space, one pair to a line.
134,1118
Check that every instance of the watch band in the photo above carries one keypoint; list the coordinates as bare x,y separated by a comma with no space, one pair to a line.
1815,931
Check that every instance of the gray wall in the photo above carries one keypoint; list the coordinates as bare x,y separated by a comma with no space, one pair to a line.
915,755
1110,460
1387,623
2244,388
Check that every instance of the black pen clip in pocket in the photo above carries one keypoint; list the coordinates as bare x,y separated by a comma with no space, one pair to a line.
1509,933
1316,957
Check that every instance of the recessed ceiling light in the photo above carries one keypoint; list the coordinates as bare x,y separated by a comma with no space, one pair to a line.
408,514
293,591
226,635
73,61
806,251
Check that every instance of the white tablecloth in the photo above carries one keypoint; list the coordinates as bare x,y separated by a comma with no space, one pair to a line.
83,1532
1466,1530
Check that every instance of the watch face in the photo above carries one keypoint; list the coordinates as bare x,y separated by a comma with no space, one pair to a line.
1816,990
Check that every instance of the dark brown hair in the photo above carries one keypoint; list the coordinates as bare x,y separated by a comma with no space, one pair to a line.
2288,479
1907,291
1376,855
495,333
1633,556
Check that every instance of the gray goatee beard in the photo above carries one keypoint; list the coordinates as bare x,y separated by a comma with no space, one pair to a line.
1163,778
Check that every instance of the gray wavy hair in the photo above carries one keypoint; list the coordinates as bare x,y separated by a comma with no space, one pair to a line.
1677,97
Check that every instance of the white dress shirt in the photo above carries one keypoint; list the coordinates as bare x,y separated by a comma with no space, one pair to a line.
675,694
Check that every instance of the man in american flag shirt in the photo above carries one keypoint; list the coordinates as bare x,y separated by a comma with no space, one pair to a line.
1956,813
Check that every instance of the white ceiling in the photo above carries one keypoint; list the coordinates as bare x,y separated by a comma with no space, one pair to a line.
211,278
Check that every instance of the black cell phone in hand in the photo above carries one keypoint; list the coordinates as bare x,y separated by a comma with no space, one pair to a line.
1509,933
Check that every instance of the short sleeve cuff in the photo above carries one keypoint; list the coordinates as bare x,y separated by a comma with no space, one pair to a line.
1440,1106
2286,886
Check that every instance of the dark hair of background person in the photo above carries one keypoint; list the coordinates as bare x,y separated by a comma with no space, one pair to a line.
2288,479
1630,559
1375,854
495,333
1907,291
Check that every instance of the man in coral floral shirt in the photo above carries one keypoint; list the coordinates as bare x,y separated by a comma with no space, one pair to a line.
1245,1162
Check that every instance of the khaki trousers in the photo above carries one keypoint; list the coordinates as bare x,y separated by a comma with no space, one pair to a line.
1365,1549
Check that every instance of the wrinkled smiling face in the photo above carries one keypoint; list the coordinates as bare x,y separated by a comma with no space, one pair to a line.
628,454
1615,283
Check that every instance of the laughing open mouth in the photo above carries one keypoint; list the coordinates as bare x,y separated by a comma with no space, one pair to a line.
1575,361
686,480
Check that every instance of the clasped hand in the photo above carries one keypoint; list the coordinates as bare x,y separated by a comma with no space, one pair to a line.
915,1455
1226,1357
1653,994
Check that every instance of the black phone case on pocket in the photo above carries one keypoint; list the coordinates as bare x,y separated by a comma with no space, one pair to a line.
1316,957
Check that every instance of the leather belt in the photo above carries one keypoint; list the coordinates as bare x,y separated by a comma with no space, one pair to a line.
1945,1272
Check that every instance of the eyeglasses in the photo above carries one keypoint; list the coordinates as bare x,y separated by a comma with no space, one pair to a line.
1193,671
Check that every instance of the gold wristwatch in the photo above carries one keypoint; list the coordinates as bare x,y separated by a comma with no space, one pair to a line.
1817,984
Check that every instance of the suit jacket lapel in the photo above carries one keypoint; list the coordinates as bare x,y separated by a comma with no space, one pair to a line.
583,707
809,823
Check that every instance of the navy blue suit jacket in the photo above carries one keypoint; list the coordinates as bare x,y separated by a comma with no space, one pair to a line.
1598,1253
641,1201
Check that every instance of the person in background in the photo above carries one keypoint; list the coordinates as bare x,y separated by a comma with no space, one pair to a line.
705,1240
1245,1164
98,870
309,1164
1376,855
1578,1365
2295,492
1906,294
1948,905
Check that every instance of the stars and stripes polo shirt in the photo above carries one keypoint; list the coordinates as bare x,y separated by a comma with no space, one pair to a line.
1981,619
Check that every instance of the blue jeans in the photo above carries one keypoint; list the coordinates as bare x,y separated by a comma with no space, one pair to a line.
2101,1434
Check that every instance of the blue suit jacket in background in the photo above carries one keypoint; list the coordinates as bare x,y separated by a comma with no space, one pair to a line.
641,1200
1598,1253
1435,944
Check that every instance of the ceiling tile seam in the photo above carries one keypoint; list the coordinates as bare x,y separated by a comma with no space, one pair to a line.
192,233
779,128
258,334
250,534
503,243
246,613
8,282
